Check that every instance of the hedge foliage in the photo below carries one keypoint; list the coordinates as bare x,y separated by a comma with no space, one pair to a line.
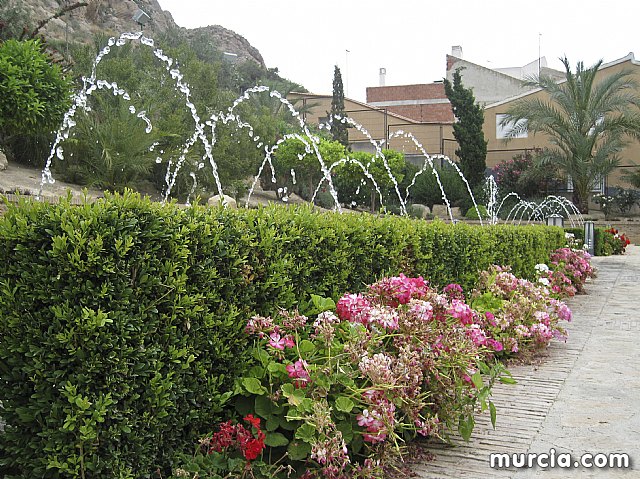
121,321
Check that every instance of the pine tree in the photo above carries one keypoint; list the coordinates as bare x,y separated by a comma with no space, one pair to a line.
472,147
338,128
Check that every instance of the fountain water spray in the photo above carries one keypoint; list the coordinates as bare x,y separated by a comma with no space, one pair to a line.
310,141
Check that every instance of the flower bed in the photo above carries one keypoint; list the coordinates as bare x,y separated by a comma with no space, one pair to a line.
341,391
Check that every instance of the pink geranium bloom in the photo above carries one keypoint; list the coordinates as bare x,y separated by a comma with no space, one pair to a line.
278,342
461,311
353,307
298,370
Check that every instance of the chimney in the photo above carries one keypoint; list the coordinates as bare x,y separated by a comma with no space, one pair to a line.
456,51
383,74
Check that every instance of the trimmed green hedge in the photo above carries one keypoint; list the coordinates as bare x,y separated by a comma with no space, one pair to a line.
121,321
600,247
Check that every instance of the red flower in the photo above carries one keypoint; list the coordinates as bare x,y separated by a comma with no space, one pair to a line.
239,438
254,421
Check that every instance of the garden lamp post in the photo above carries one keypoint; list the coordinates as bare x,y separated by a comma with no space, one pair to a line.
555,220
589,237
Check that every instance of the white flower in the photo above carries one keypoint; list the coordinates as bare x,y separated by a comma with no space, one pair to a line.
544,281
542,267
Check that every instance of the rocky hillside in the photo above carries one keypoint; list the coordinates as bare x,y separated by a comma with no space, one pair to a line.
116,16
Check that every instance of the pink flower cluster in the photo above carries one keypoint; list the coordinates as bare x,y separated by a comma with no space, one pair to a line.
378,417
573,264
353,308
528,316
299,372
398,290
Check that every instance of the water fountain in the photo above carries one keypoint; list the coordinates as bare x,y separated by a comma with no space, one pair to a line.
528,211
205,132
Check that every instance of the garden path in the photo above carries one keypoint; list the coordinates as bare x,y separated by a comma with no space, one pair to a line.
583,397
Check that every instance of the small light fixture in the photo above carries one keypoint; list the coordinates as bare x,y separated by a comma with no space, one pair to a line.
141,17
589,237
555,220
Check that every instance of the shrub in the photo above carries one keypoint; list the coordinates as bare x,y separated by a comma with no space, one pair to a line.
472,213
519,314
520,175
574,264
121,321
625,199
607,204
338,394
615,242
602,244
118,334
34,94
426,190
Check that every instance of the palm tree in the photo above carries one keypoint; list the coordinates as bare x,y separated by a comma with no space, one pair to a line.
587,123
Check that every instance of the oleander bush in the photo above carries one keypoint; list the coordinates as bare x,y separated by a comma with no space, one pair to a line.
121,321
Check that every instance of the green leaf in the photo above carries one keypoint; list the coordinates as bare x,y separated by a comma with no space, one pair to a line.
477,380
262,356
244,405
306,432
465,426
263,406
287,389
275,439
492,411
306,405
254,386
298,450
346,428
508,380
277,368
296,398
484,368
323,304
273,422
344,404
287,425
305,346
83,403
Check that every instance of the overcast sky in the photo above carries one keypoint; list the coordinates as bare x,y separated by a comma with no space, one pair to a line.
410,38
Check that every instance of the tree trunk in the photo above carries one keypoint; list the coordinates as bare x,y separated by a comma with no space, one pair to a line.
581,201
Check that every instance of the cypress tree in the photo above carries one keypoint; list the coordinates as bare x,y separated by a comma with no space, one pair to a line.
338,128
472,147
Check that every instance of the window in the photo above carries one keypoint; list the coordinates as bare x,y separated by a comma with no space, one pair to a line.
597,186
502,131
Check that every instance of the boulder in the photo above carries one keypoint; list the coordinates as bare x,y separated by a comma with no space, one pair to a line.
441,212
419,211
223,200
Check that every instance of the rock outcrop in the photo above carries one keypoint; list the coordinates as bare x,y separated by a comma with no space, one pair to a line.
113,17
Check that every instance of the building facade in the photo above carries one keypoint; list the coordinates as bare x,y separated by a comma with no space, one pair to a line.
501,148
417,119
380,125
